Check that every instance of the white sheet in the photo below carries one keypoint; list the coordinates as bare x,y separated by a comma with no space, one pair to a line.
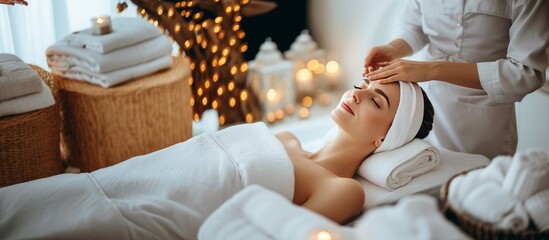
311,133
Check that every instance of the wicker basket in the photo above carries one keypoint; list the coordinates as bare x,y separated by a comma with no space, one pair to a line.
29,142
479,229
105,126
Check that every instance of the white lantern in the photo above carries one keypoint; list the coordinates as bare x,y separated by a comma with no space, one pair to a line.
309,64
271,78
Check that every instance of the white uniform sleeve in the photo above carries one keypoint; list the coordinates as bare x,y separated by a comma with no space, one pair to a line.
409,26
509,80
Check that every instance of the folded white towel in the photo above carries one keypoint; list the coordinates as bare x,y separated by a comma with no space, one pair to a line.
497,169
489,202
461,186
62,56
27,103
396,168
537,207
258,213
118,76
17,78
414,217
516,220
526,174
126,32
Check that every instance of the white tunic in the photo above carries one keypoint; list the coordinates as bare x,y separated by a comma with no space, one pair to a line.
507,40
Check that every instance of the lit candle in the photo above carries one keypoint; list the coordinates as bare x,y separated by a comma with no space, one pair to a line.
304,82
332,74
101,25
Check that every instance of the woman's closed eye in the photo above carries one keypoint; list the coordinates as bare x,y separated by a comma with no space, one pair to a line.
372,99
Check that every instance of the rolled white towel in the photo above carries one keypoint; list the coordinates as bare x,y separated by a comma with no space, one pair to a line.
537,207
258,213
413,217
461,186
126,32
526,174
489,202
17,78
63,57
396,168
497,169
27,103
117,76
517,220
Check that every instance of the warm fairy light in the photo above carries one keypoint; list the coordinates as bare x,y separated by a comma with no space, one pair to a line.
171,12
187,43
192,101
303,112
143,12
241,35
218,19
243,95
271,117
225,51
197,16
228,9
191,81
271,95
249,118
160,10
304,75
234,69
198,39
190,4
237,18
236,27
214,62
199,91
215,77
214,48
230,86
323,235
279,114
245,1
214,104
219,91
236,8
243,48
221,120
187,14
202,67
244,67
320,69
155,23
290,109
178,4
232,42
221,34
232,101
177,28
191,27
307,101
204,44
196,117
222,61
207,84
193,65
204,101
332,67
312,64
217,28
205,24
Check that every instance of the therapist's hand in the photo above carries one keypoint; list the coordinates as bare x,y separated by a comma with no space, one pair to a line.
13,2
401,70
377,55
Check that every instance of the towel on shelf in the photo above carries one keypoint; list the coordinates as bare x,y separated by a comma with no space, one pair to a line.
396,168
258,213
27,103
17,78
517,220
126,32
413,217
119,76
489,202
527,174
537,207
62,56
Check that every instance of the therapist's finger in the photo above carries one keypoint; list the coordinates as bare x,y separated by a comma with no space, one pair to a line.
394,78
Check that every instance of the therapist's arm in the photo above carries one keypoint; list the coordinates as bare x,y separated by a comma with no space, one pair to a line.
462,74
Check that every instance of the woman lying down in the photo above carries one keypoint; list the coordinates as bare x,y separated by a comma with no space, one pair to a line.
169,193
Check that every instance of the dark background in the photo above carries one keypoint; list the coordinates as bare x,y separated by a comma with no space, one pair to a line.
283,25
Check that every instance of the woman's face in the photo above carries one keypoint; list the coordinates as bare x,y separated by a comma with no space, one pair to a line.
366,112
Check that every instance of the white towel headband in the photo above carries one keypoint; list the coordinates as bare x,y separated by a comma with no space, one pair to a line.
408,118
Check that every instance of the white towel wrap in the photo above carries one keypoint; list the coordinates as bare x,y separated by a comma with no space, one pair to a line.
408,118
497,169
537,207
526,174
461,186
396,168
489,202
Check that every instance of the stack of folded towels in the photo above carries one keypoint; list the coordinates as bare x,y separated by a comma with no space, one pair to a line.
21,89
134,48
508,193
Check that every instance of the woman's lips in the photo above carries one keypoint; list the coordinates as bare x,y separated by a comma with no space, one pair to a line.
347,108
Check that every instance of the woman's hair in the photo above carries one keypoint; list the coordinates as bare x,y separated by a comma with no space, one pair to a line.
428,116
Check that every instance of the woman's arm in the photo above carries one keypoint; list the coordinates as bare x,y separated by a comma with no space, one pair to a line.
338,199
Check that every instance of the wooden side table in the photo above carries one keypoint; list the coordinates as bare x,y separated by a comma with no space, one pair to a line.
104,126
